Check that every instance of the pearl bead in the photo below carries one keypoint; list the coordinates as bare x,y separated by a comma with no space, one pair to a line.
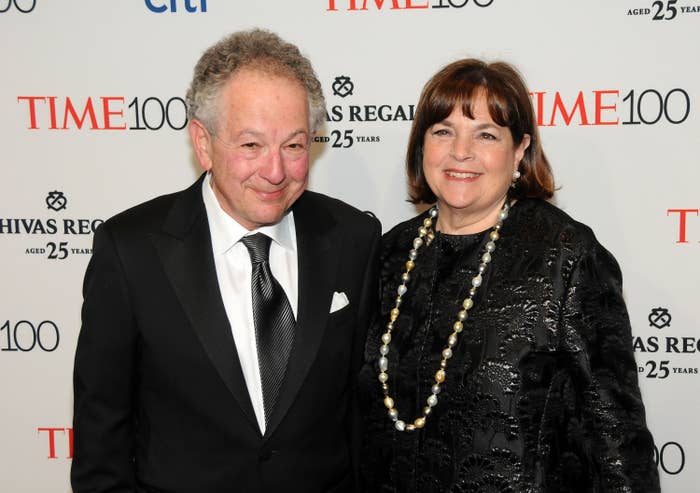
393,414
410,427
422,231
417,243
427,410
447,353
400,425
432,400
412,255
490,246
452,340
458,326
383,377
435,389
476,281
386,338
384,350
433,212
401,290
383,364
388,402
486,258
503,215
468,303
462,315
427,222
405,277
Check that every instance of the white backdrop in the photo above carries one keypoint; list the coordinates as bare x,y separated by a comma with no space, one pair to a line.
91,103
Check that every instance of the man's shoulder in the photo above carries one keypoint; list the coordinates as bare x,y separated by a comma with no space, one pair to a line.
151,214
340,211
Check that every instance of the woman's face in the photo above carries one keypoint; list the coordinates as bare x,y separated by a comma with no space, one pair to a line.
469,164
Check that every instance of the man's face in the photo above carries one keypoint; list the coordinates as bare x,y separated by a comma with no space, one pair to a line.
259,157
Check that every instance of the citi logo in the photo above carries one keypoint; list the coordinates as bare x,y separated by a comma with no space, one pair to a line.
190,6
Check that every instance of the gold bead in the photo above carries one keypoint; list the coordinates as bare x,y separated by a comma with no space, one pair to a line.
410,427
440,376
419,422
394,314
388,402
410,265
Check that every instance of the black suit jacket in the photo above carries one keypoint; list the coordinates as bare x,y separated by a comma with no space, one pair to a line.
161,404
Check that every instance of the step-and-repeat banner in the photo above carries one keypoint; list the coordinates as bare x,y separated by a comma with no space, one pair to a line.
92,121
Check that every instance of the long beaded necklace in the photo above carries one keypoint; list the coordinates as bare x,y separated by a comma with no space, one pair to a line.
425,237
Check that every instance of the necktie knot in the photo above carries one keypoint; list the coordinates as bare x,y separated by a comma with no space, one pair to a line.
258,246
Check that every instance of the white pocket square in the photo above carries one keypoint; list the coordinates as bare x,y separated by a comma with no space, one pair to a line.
339,301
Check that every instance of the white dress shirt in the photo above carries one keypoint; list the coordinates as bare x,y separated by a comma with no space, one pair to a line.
233,271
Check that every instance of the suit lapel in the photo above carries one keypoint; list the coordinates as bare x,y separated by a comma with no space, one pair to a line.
184,247
318,265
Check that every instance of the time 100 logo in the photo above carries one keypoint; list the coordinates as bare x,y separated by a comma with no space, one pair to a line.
23,6
670,458
26,336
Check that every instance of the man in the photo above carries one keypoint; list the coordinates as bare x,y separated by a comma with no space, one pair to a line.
212,358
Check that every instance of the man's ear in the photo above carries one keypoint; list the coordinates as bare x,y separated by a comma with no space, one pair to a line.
201,142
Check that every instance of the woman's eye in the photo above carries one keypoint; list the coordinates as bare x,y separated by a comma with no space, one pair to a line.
488,136
440,132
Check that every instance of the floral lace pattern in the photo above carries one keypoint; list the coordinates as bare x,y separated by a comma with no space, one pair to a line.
541,394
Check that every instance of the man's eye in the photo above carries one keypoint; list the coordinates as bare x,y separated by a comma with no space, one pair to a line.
251,145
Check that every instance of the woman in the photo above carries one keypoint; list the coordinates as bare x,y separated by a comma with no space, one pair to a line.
501,359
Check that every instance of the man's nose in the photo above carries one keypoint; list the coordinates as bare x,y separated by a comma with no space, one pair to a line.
272,169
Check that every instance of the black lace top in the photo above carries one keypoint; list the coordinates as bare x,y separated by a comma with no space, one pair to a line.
541,394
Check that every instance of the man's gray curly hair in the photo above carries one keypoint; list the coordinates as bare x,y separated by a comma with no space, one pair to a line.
257,49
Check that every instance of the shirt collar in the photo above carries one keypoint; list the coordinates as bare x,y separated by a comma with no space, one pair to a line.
226,231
